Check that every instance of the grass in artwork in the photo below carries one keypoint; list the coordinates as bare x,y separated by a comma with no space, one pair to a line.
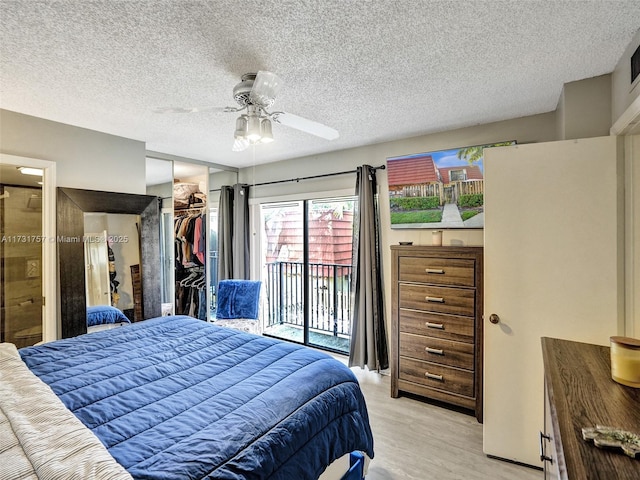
419,216
467,214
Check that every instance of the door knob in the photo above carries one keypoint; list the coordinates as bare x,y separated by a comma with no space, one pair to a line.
493,318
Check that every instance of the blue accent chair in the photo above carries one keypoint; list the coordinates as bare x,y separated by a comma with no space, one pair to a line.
238,305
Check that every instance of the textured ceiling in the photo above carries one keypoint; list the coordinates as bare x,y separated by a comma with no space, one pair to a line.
375,70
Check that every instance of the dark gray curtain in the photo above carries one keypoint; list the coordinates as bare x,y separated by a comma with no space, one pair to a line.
368,334
241,230
225,229
233,232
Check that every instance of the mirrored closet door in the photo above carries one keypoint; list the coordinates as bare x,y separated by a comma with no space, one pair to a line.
160,183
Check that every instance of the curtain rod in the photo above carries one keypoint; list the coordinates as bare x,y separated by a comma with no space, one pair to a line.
312,177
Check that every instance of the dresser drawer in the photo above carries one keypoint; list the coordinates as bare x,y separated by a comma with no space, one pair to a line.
439,271
447,327
437,376
454,301
444,352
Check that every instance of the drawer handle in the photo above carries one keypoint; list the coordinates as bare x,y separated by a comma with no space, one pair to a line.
437,271
433,376
437,351
439,326
543,456
434,299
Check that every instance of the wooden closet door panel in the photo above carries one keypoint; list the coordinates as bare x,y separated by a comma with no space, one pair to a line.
553,250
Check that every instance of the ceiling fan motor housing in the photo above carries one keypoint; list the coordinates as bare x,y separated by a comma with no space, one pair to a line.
242,91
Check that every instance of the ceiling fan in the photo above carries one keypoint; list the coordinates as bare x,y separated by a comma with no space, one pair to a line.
255,94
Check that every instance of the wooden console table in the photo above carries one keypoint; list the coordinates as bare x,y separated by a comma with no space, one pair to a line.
580,393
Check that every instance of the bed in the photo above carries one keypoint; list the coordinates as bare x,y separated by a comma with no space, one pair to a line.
178,398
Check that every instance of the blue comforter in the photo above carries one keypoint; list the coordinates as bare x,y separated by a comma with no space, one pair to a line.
178,398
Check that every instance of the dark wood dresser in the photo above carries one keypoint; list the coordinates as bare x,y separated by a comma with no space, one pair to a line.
436,327
579,392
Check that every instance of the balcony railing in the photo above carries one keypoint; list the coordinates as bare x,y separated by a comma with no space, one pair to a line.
329,296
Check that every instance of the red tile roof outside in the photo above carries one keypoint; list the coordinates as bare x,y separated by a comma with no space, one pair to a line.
330,239
412,171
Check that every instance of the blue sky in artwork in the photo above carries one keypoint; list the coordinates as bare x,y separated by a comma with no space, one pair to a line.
449,158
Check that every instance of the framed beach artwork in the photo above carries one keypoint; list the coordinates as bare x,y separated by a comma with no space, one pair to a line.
440,189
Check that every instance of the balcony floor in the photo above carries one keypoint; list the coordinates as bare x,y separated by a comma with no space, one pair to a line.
316,338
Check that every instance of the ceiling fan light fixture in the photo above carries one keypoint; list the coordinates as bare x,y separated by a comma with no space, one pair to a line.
241,128
253,129
267,134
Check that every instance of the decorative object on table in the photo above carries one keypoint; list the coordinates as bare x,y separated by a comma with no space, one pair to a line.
610,437
625,361
436,238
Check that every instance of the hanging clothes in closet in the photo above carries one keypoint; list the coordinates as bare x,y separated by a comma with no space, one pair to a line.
190,254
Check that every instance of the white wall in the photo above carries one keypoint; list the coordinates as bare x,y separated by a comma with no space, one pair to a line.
584,109
84,158
538,128
217,180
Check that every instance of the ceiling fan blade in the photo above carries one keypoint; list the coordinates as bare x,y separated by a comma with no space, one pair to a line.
305,125
189,109
265,88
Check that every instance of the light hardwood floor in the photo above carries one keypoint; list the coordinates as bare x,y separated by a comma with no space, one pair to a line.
419,441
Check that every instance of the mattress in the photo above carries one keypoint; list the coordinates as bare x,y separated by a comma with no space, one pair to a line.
179,398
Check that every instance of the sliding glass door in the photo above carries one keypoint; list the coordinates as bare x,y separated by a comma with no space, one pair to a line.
306,270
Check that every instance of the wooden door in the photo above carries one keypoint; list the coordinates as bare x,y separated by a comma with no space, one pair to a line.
553,267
